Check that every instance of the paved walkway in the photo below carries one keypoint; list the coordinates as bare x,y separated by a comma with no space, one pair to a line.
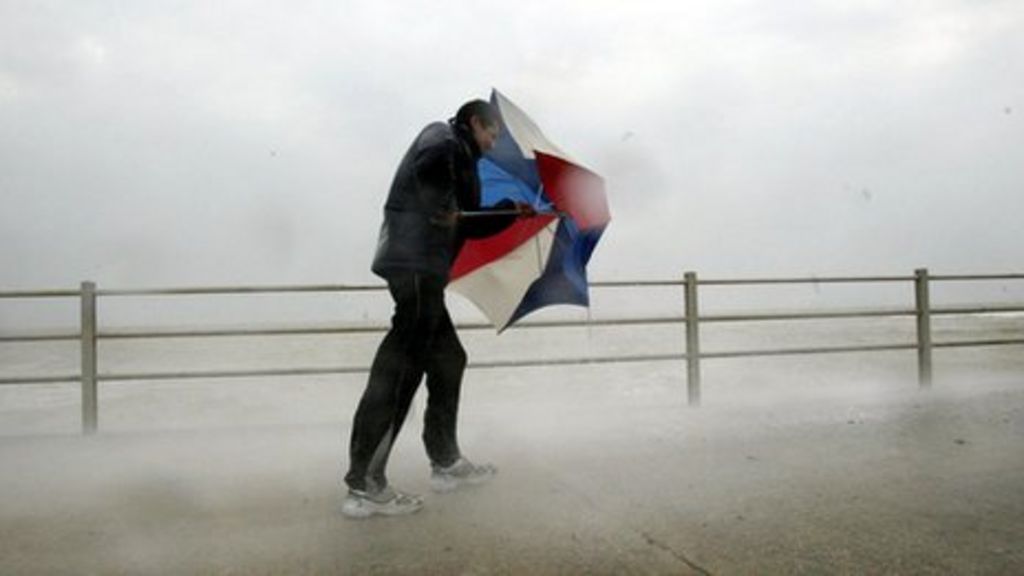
595,479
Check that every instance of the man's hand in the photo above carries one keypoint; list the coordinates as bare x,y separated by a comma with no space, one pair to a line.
445,219
525,210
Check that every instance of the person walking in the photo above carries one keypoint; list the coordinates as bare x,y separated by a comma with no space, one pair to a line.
423,231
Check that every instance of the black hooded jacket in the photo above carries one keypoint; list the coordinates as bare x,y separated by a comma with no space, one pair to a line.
436,178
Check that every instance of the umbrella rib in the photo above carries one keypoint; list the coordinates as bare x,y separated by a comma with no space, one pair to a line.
536,244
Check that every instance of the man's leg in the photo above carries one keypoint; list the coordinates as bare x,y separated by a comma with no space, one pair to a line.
394,377
444,366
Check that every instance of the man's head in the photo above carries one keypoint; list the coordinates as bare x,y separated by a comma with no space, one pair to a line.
482,120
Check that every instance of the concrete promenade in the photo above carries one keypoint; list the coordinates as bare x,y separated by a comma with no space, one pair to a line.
606,472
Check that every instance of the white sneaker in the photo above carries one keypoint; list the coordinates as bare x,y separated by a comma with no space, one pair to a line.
387,502
461,473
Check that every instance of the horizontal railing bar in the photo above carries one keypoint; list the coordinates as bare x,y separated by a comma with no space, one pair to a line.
214,333
860,348
805,315
115,377
39,337
208,290
40,294
332,288
578,361
970,277
210,374
978,343
983,309
594,284
634,283
127,334
18,380
711,318
811,280
807,351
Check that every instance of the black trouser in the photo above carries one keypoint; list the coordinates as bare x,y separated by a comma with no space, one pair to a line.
422,340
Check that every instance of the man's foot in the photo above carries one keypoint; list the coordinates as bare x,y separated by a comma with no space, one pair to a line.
461,473
387,502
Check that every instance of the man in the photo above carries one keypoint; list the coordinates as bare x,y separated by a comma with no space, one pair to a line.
422,233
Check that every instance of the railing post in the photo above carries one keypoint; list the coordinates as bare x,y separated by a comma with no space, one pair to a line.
692,340
90,398
924,328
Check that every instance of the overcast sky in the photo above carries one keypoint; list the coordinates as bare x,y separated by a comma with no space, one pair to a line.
179,143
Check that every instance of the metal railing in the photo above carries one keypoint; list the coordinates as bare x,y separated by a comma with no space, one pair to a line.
89,377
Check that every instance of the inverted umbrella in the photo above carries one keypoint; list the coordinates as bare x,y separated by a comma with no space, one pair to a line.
537,261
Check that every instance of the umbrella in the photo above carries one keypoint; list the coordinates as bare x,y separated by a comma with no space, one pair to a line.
537,261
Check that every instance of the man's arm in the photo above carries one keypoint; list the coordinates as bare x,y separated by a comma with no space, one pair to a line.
505,212
434,168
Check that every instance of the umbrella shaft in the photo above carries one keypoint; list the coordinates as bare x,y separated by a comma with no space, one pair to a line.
474,214
509,212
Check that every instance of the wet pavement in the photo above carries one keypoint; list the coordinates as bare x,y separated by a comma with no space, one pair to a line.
600,473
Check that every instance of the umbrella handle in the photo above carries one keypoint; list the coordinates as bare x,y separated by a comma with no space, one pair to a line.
509,212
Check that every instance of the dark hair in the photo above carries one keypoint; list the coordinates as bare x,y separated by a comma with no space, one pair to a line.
482,109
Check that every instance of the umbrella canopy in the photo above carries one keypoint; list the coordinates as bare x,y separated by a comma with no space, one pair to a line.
537,261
